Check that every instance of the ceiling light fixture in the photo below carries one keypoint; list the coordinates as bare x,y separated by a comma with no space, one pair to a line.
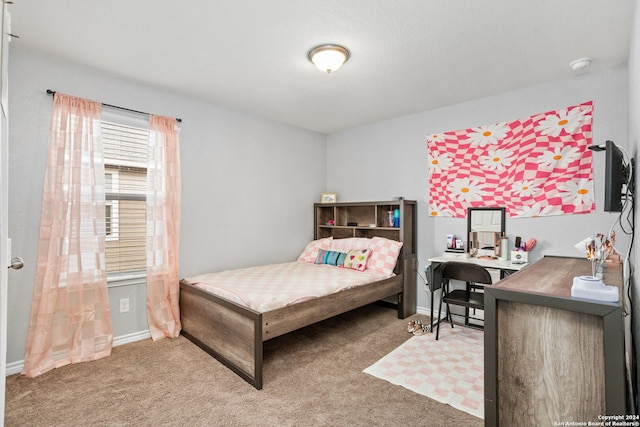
580,64
328,57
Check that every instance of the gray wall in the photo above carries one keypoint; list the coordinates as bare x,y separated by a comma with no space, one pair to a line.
389,158
248,184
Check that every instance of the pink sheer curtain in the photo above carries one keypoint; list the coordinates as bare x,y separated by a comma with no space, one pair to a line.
70,318
163,228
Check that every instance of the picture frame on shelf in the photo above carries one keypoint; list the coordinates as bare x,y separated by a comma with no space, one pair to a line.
328,198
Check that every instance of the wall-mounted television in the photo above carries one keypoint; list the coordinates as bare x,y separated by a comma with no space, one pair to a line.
617,174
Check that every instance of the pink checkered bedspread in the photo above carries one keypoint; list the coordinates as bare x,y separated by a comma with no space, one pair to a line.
269,287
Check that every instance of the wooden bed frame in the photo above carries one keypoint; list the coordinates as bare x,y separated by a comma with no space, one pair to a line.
235,334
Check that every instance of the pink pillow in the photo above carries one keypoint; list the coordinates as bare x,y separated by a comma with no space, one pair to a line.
310,253
384,254
345,245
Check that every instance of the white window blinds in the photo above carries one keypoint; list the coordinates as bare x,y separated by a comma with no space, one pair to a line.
125,156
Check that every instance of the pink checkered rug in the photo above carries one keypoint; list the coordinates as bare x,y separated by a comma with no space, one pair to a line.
450,370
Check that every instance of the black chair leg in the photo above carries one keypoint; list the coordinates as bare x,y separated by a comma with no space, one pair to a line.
439,315
450,316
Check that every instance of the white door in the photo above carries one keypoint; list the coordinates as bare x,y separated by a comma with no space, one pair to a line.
5,261
5,255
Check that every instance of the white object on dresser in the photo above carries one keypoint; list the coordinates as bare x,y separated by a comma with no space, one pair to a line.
592,288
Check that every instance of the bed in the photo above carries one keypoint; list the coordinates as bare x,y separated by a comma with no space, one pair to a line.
232,327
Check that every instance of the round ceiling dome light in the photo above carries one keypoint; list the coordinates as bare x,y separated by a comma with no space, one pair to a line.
580,64
328,57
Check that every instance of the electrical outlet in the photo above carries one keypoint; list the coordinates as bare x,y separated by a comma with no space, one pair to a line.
124,305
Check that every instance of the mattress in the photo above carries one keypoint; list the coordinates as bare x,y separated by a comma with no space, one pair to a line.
273,286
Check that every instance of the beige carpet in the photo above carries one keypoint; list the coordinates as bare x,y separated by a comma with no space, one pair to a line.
313,377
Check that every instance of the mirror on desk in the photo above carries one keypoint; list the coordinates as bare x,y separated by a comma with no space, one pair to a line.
485,226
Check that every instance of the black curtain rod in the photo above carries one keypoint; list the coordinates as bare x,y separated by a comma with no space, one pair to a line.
53,92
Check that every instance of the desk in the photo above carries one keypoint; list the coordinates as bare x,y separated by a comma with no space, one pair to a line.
550,357
435,278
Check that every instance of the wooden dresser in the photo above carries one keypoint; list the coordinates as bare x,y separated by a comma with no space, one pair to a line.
551,358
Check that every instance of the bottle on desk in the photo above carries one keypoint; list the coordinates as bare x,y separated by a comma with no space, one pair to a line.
504,248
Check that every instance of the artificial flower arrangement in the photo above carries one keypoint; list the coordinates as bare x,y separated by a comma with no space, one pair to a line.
599,249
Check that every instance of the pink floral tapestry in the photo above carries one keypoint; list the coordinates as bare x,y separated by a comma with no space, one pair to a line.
537,166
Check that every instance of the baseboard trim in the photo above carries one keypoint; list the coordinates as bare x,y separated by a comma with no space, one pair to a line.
136,336
16,367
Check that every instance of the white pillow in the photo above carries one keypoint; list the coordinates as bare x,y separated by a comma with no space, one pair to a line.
345,245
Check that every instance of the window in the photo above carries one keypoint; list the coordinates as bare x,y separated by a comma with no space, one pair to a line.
125,156
112,213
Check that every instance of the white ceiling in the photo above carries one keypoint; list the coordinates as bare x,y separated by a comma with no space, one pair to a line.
407,56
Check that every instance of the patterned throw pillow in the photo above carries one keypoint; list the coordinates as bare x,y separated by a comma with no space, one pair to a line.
310,253
357,259
331,257
384,254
